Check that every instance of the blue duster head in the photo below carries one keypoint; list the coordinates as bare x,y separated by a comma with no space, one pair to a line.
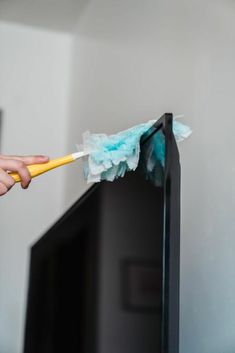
110,157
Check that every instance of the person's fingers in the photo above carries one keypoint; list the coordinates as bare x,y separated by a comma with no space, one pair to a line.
19,167
28,159
3,189
6,179
17,164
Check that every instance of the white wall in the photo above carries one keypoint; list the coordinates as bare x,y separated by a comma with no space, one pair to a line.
130,65
34,89
135,60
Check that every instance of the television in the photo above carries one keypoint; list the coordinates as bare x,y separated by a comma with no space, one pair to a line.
105,277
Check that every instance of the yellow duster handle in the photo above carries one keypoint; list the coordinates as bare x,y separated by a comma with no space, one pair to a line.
37,169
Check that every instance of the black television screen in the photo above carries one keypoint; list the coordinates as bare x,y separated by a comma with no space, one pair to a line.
105,277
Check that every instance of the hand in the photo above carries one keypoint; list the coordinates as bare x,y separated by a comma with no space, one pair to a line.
17,164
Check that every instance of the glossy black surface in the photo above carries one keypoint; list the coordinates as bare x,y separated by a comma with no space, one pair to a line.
91,274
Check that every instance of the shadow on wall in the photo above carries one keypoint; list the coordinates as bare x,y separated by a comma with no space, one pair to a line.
60,15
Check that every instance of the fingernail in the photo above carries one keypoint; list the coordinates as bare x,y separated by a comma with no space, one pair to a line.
26,186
